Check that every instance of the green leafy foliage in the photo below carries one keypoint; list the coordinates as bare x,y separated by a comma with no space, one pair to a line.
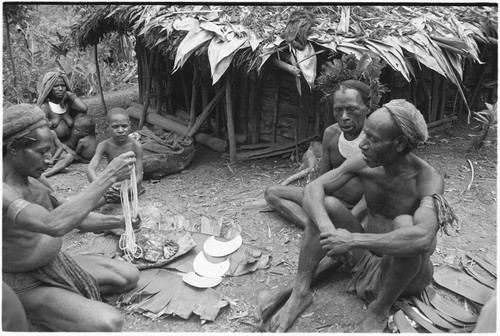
366,70
42,42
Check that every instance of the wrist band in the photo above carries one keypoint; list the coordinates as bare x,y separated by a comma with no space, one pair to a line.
15,208
428,201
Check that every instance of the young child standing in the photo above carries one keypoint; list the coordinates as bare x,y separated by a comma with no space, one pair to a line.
120,142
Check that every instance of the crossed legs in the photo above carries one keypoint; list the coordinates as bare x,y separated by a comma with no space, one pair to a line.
62,310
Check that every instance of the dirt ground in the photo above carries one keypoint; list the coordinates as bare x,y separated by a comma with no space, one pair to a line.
212,187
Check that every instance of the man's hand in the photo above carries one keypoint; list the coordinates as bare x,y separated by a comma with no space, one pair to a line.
121,167
136,222
335,242
336,245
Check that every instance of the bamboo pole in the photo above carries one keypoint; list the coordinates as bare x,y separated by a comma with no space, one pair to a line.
99,79
142,120
229,119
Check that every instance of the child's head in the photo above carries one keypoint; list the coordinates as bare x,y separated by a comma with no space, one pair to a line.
118,123
84,125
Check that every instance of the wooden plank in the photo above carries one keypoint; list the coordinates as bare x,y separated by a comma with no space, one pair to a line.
255,146
276,147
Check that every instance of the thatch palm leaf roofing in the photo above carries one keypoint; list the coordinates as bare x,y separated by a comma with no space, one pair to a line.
439,37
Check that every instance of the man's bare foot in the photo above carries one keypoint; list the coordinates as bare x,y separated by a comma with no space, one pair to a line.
372,323
268,302
289,312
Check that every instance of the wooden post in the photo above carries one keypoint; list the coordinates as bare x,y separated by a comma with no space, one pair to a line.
436,83
303,117
140,70
276,100
169,88
99,80
229,118
255,113
157,86
243,106
148,88
316,114
194,95
206,112
185,90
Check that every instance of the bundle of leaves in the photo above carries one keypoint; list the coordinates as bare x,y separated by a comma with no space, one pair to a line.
366,70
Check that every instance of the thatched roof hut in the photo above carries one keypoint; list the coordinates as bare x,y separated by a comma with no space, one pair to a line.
266,59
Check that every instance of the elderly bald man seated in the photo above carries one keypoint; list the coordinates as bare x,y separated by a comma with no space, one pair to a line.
58,291
391,249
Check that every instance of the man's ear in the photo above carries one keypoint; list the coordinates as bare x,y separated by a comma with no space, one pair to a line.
402,142
12,147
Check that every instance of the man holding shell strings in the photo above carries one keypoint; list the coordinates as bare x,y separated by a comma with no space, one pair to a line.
60,292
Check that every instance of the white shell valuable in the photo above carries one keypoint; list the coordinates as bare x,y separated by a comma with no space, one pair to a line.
218,248
207,269
195,280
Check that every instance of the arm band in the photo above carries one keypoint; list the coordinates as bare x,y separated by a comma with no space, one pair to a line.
15,208
428,201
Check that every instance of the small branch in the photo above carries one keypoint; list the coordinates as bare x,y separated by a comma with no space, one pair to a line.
472,175
297,176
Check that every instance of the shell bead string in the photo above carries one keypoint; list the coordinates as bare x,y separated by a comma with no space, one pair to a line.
127,241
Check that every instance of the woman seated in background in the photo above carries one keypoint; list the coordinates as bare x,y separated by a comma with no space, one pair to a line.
60,104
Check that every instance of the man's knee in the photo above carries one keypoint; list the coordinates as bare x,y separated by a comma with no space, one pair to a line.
270,193
112,321
129,276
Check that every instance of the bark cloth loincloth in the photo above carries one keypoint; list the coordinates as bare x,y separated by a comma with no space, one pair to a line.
366,273
62,272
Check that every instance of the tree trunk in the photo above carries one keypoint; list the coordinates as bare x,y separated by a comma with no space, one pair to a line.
99,80
9,48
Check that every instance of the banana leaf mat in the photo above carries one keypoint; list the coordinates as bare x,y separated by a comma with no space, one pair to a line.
161,290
